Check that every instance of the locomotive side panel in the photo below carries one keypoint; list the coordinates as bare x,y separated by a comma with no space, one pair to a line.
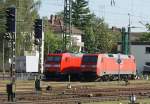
128,66
52,66
72,64
109,68
71,67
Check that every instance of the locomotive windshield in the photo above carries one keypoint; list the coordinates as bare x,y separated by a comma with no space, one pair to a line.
53,58
89,59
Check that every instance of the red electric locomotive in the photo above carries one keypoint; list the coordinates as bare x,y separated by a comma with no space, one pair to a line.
106,66
73,68
54,64
61,65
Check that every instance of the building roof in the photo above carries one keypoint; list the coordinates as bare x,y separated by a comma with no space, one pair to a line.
140,43
134,36
57,24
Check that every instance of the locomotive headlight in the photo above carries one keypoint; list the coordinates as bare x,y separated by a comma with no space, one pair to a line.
93,66
82,66
56,65
47,65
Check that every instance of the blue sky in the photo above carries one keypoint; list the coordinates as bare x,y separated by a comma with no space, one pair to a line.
114,15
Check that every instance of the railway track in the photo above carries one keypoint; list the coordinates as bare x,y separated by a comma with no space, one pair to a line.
25,94
72,96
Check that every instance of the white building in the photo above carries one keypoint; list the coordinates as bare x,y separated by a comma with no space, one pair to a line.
27,64
141,52
56,24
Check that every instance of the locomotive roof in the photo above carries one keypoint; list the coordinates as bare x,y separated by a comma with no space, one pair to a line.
60,54
122,56
56,54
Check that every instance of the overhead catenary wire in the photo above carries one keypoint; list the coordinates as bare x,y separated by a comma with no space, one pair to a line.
107,12
123,14
134,14
62,4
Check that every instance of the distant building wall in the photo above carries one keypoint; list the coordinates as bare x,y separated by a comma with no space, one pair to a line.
141,52
57,24
141,56
77,41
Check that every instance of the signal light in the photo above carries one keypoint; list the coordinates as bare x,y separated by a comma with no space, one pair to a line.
38,28
11,19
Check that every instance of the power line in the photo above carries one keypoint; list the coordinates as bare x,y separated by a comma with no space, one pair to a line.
105,11
118,13
111,12
121,13
146,4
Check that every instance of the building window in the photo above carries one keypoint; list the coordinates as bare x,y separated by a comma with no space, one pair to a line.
147,49
147,63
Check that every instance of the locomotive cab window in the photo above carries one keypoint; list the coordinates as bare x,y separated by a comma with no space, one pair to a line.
147,63
89,59
54,58
147,50
110,55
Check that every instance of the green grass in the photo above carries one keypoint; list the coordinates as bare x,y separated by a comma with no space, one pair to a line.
112,84
90,84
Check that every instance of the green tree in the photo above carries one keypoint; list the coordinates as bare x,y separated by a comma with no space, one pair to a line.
27,11
144,37
2,31
116,36
80,14
98,37
2,18
89,39
52,41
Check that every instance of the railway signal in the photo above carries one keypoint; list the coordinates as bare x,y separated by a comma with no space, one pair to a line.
38,28
11,35
11,30
39,36
11,19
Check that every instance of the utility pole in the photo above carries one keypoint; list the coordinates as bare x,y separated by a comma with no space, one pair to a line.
129,31
11,29
123,33
67,29
3,58
125,41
